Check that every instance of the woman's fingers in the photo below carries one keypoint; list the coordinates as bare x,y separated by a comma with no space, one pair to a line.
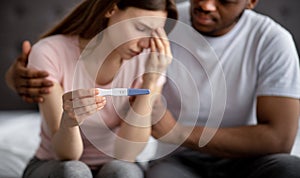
81,93
80,104
166,44
85,102
152,45
162,44
165,41
86,110
160,48
160,55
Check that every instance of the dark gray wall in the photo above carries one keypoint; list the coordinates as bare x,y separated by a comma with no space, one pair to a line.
285,12
20,20
27,19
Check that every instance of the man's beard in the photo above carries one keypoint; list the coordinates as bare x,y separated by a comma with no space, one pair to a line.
213,32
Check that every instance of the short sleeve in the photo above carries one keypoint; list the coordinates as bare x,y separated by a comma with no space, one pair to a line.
279,67
43,56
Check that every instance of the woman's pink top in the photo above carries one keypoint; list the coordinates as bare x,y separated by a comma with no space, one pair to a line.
60,56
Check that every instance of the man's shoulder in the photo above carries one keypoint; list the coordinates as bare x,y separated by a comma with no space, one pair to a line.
264,24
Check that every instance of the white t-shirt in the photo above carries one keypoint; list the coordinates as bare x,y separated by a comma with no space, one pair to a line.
257,57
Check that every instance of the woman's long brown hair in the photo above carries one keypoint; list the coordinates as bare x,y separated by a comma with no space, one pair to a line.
88,18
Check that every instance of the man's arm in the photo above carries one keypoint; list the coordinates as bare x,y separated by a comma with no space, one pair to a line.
275,131
30,84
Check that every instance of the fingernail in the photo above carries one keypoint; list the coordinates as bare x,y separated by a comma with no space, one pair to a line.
41,100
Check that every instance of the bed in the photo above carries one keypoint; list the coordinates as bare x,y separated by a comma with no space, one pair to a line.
19,138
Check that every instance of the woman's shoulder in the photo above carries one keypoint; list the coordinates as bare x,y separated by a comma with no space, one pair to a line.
54,48
55,42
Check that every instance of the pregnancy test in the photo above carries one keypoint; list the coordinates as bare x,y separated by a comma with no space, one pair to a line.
123,92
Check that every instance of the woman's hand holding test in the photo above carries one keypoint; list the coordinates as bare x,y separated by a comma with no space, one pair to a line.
80,104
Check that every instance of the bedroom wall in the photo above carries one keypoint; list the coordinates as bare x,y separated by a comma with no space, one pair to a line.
22,20
286,13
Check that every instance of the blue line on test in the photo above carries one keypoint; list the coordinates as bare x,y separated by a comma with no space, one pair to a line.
133,91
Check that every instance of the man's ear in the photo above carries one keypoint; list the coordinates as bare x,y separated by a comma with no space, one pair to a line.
112,11
251,4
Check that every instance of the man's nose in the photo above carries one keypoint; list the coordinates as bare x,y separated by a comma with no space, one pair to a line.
207,5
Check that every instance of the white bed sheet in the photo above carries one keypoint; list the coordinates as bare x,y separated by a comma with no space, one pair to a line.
19,138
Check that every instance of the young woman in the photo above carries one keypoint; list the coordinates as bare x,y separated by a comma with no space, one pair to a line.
83,132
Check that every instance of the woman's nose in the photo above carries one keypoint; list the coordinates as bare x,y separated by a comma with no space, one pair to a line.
144,42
